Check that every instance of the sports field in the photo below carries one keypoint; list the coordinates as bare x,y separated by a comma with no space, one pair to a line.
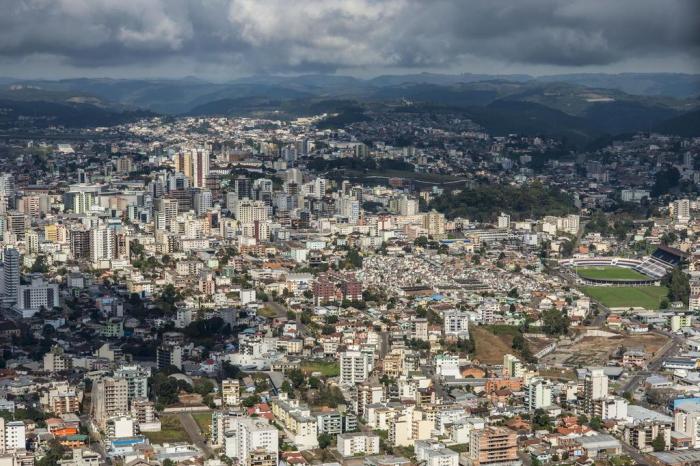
648,297
610,273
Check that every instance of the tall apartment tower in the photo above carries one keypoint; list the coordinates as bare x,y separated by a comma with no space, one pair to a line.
493,445
110,397
355,367
10,276
595,387
200,167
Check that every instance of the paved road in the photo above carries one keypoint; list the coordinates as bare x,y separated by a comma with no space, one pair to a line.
669,349
194,432
635,454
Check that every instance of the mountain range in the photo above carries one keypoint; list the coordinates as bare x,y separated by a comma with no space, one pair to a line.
583,105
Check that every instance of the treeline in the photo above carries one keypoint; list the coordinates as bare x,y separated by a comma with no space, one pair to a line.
483,203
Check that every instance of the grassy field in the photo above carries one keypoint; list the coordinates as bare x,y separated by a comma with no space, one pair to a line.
610,273
203,420
328,369
171,431
267,312
648,297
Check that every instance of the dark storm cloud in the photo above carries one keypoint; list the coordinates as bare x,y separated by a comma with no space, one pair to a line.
323,35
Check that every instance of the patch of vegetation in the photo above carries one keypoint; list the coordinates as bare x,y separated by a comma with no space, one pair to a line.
647,297
610,273
483,203
326,368
171,431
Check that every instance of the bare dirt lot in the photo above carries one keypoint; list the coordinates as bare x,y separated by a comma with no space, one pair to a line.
490,348
597,351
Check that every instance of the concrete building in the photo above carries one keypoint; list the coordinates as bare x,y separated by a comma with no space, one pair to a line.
231,392
248,437
435,454
36,295
358,443
493,446
686,419
595,387
110,397
539,394
456,324
355,367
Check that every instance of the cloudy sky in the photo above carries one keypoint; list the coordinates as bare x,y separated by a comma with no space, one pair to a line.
220,39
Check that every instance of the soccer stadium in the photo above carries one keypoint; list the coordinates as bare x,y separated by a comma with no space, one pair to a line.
621,271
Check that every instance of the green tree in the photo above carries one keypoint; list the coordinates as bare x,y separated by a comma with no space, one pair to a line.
540,420
421,241
40,265
251,401
659,443
678,286
324,440
555,322
596,423
53,455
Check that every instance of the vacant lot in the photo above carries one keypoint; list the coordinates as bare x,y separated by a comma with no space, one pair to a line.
596,351
203,420
648,297
171,431
326,368
491,348
610,273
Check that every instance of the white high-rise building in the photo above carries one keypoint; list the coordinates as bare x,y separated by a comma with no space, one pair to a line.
38,294
504,221
202,201
136,378
408,206
248,435
350,208
102,244
595,387
355,367
539,394
247,211
10,282
15,436
456,323
681,210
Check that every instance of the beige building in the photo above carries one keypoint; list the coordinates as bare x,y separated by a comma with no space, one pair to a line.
110,397
230,392
493,445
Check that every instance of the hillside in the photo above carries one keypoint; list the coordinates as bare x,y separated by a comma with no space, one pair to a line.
686,125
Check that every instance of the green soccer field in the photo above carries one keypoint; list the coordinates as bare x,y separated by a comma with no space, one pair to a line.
610,273
648,297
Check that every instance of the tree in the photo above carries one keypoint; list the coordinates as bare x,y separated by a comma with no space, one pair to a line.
659,443
596,423
540,420
53,455
421,241
324,440
678,286
555,322
168,297
251,401
39,265
203,386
